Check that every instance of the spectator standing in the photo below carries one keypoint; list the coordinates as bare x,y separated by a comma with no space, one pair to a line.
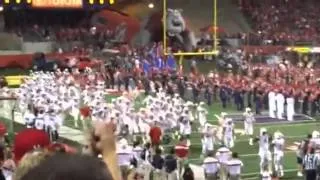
158,164
310,165
211,166
170,164
181,150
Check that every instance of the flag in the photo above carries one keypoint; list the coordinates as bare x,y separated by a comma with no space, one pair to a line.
171,62
159,63
146,67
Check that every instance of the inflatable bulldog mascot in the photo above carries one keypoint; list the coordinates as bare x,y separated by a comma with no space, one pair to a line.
177,31
178,34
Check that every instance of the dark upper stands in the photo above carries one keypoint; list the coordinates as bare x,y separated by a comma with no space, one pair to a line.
284,21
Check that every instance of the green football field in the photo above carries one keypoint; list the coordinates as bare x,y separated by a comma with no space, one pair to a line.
294,132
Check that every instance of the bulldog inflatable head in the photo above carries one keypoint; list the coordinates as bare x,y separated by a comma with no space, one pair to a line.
175,22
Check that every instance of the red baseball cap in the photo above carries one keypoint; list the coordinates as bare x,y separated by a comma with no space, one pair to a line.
27,139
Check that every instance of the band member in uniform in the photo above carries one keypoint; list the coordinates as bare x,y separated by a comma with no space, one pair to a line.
272,103
248,124
290,106
280,104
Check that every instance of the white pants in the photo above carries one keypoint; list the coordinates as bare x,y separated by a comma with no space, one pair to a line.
248,128
277,159
202,121
280,112
290,112
228,141
272,110
265,157
207,145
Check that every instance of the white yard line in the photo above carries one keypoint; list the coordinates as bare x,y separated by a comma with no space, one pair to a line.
243,156
257,173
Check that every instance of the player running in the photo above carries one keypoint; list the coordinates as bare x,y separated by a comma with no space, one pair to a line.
228,133
264,151
278,149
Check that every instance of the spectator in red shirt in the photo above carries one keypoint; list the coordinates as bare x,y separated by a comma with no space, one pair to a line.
155,135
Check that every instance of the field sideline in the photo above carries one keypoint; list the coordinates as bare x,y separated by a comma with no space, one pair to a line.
294,132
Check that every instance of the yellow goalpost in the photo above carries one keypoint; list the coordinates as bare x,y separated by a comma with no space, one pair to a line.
215,33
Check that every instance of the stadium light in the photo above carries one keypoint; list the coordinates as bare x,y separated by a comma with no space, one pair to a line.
151,5
1,8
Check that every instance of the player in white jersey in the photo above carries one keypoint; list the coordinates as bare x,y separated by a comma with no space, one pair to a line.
208,137
29,118
185,127
266,175
39,123
202,114
278,148
211,166
228,133
234,166
264,152
248,124
51,125
315,141
223,155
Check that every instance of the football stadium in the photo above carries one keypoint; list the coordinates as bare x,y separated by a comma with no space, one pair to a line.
170,89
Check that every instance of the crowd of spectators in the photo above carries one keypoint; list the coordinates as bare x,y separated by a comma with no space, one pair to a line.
283,21
59,26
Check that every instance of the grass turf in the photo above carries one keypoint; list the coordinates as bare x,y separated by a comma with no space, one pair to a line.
248,154
294,132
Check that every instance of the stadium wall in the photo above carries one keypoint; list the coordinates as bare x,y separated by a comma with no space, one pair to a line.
24,61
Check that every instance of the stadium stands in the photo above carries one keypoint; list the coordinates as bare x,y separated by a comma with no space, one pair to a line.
283,22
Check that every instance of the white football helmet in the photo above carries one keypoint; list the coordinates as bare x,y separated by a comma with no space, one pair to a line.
315,134
263,130
277,135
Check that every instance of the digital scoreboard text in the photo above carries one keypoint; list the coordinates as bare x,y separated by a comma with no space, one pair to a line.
57,3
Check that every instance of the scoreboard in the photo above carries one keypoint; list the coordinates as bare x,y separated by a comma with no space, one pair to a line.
60,4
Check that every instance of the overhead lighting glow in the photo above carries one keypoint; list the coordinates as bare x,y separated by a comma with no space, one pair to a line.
151,5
